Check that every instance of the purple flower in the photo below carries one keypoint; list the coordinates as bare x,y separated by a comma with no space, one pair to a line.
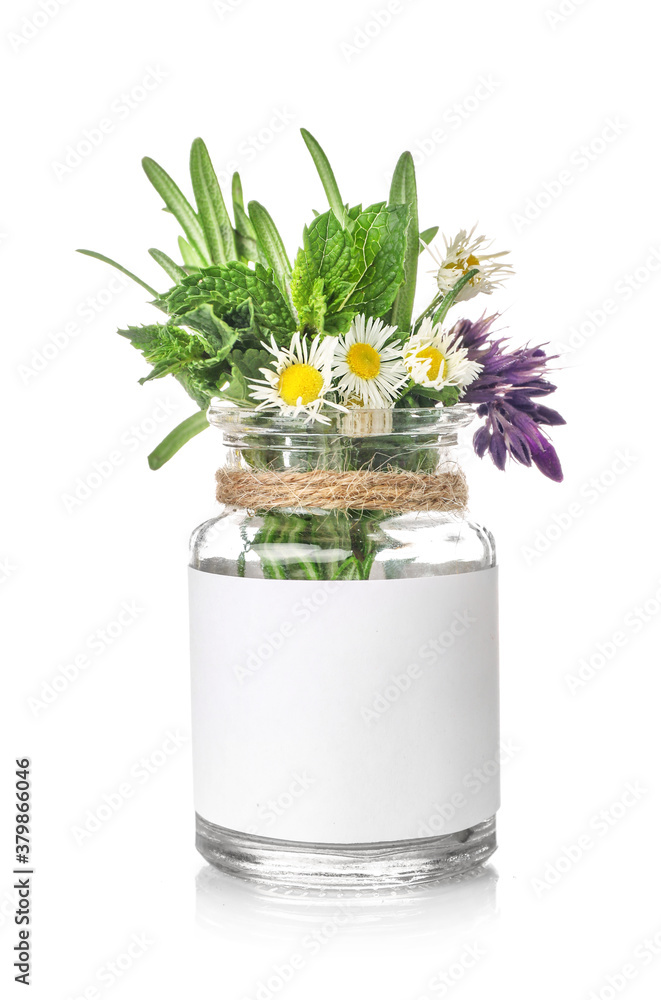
505,394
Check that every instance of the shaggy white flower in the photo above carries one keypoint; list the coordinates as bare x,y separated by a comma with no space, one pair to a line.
369,368
299,379
464,253
434,359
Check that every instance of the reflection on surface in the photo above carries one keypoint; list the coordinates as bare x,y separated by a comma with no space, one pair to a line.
455,905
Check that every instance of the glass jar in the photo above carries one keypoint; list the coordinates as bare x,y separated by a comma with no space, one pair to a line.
344,662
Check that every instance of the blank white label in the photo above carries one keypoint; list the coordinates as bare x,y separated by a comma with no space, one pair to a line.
345,712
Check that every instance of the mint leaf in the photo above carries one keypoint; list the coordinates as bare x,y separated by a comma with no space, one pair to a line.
142,337
171,350
233,285
339,322
380,245
339,272
312,307
220,336
245,366
322,270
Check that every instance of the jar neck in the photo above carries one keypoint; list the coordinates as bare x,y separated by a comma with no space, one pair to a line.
399,440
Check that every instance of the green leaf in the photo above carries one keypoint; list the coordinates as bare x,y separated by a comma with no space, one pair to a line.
190,257
313,308
323,270
361,269
380,244
403,191
178,437
173,270
427,235
143,338
247,248
327,176
338,322
230,287
243,223
219,334
270,243
245,367
172,350
237,387
113,263
418,394
237,190
245,235
178,205
218,230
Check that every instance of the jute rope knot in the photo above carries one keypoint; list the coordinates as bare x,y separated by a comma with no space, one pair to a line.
361,490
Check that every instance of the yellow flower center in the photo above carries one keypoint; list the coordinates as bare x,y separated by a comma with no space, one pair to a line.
302,382
466,265
438,362
363,361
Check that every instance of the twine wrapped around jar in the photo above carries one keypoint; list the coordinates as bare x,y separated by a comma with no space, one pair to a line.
355,490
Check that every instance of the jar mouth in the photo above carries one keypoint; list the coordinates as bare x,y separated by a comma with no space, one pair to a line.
359,422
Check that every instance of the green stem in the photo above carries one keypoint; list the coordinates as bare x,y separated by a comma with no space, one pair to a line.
177,438
451,297
118,267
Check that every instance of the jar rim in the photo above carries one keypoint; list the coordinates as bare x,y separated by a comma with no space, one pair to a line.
359,422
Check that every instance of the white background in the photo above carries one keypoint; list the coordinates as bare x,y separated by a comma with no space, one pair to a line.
577,559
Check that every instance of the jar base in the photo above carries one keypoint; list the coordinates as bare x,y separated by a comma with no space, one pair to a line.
350,866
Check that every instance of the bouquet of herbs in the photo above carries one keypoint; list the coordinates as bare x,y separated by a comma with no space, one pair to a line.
336,329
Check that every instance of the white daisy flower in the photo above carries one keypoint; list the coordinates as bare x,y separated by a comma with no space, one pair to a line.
433,359
369,369
461,255
299,379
